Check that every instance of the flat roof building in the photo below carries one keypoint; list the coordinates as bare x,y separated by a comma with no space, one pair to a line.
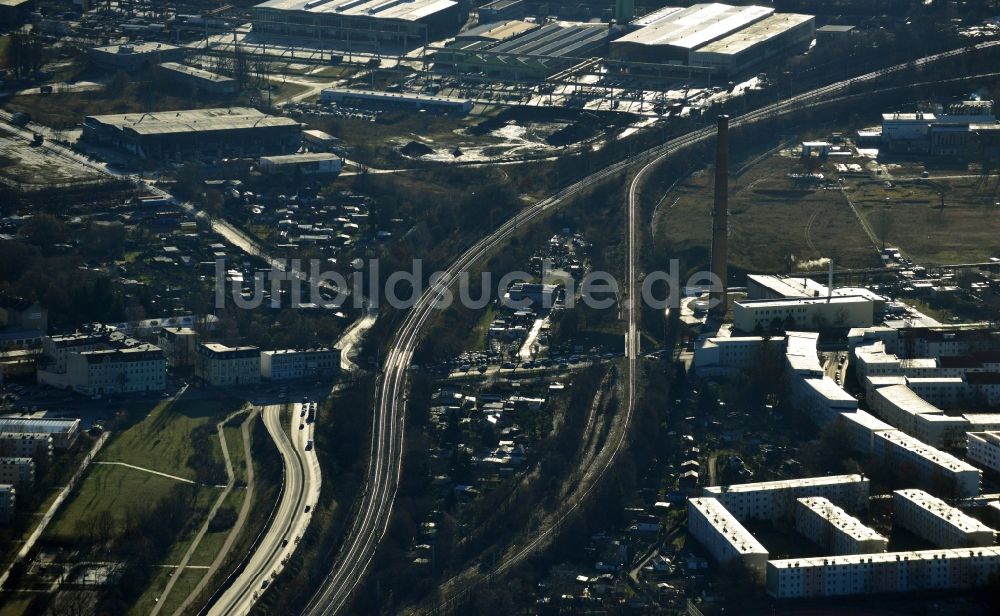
984,449
17,471
903,408
308,163
199,80
221,365
828,525
178,345
674,35
923,466
133,56
938,522
862,427
63,431
502,9
888,572
819,313
8,501
298,363
405,23
142,368
723,536
25,444
396,100
219,132
771,500
760,41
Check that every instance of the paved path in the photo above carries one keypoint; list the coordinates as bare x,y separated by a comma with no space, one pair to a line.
147,470
237,528
230,482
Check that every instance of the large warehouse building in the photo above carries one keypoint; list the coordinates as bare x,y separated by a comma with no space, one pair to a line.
406,23
162,135
725,38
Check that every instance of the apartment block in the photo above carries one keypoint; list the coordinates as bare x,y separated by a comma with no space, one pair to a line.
888,572
828,525
924,466
7,501
984,449
938,522
17,471
771,500
220,365
298,363
723,536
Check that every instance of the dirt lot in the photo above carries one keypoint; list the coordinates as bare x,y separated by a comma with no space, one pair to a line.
775,222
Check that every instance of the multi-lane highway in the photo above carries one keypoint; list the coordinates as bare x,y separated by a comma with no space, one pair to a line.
372,517
299,494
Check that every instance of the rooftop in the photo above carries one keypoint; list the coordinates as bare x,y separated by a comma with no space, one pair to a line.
196,72
942,510
305,157
403,10
727,525
138,47
941,458
697,25
192,120
884,557
764,30
785,484
839,518
867,420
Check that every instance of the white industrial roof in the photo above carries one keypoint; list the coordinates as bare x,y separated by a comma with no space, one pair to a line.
866,420
405,10
697,25
764,30
195,72
192,120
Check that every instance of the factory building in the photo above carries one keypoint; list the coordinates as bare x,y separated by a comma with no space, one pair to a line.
888,572
760,41
961,130
531,52
921,465
674,35
134,56
935,521
63,431
396,100
310,163
828,525
723,536
502,9
218,364
298,363
17,471
198,80
772,500
984,449
195,133
403,23
765,286
815,313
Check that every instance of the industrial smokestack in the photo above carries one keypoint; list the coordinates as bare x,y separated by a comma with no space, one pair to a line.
829,285
720,223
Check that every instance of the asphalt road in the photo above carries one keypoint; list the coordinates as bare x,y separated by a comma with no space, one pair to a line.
301,489
351,562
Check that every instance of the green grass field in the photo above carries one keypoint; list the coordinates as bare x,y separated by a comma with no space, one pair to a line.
109,488
162,441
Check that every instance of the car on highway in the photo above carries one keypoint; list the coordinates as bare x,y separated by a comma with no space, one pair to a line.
302,426
308,508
